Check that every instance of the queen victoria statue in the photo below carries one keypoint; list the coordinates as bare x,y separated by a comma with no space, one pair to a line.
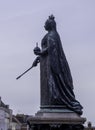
55,76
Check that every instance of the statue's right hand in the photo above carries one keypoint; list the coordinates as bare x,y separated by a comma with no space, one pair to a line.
34,63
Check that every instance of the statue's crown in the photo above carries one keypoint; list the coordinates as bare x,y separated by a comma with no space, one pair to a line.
51,17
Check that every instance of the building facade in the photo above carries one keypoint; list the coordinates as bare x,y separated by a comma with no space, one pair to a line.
5,116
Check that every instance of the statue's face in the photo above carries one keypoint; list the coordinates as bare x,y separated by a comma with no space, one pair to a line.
47,26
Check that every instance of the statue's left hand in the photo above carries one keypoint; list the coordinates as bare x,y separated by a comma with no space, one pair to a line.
37,51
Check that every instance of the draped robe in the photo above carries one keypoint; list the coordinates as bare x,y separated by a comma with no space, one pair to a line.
56,80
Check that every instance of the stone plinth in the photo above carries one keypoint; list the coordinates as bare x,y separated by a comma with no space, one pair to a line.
55,119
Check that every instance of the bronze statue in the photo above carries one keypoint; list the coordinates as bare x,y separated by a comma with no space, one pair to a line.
56,80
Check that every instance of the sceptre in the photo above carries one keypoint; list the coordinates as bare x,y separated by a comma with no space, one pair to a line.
36,61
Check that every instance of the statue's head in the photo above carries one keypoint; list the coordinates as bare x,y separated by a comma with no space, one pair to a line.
50,24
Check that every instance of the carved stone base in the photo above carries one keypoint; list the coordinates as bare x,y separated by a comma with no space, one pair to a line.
56,127
56,120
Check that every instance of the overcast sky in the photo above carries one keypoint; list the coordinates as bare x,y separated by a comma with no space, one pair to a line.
22,25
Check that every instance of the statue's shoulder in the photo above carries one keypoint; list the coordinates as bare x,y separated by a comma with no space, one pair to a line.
45,38
49,36
53,36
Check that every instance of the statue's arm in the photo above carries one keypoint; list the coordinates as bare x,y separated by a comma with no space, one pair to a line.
50,46
36,61
39,52
44,51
